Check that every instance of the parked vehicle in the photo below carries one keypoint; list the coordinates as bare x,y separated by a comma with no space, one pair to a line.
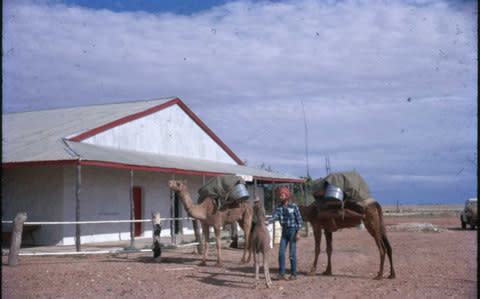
469,215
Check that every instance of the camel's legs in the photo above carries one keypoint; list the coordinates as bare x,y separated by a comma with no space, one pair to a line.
206,237
372,224
266,270
257,268
389,253
234,234
317,233
219,245
329,239
247,225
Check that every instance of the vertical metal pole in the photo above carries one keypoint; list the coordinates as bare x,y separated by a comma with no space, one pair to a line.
78,185
305,195
254,188
172,215
273,211
132,212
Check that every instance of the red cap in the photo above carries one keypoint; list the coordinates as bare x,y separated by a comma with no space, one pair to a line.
284,190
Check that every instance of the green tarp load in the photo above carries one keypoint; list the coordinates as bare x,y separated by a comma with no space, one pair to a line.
354,187
219,189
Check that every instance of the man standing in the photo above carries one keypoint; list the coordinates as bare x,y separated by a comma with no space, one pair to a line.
290,219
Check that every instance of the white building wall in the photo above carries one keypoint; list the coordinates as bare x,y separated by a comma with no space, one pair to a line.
38,192
105,196
47,193
169,131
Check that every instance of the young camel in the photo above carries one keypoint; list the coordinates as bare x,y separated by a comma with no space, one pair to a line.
209,215
373,220
260,242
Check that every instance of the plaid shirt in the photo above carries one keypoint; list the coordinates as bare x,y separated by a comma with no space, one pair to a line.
288,216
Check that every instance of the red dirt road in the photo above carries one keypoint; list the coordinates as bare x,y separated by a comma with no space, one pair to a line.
428,264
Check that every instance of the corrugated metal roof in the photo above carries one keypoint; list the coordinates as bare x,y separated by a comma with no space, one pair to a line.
37,135
125,158
40,136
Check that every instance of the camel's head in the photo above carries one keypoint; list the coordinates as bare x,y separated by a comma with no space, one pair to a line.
258,211
178,185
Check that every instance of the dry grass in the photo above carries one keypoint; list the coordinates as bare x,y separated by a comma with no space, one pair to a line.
422,210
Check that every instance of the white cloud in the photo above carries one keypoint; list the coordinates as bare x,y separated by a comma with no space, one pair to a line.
244,67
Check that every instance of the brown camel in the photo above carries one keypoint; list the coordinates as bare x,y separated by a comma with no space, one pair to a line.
260,242
372,218
209,215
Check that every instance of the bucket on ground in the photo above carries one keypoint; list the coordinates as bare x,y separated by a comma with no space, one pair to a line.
277,233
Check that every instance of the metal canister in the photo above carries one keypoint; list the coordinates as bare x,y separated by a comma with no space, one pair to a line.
239,191
333,193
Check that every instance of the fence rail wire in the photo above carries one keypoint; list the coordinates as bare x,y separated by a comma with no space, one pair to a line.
94,221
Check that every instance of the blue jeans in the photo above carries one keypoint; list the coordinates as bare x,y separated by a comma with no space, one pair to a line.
288,237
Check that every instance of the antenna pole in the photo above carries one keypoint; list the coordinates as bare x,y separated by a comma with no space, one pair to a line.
306,139
327,165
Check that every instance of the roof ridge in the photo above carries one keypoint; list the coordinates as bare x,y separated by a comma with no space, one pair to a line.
93,105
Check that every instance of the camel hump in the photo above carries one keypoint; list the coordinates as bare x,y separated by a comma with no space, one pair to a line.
368,202
220,188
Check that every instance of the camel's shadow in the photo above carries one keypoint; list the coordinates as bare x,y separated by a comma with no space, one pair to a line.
459,229
151,260
221,279
347,276
167,260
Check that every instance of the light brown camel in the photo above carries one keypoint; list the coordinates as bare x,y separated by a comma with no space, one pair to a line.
372,218
209,215
260,242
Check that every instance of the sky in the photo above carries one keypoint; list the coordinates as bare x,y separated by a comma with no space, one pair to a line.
386,88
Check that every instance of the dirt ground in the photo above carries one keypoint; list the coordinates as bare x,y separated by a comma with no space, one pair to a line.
431,264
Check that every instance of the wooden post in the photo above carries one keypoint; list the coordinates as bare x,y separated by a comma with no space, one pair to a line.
78,233
132,213
172,215
16,241
157,229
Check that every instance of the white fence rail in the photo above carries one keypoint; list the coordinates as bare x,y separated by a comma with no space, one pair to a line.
61,252
93,221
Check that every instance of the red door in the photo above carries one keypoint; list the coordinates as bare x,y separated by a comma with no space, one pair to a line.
137,204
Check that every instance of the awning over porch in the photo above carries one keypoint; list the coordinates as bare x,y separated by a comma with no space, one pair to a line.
110,157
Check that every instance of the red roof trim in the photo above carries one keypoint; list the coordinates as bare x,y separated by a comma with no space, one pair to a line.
209,132
136,167
278,180
38,163
123,120
129,118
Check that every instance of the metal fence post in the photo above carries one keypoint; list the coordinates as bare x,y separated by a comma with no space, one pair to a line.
172,215
132,213
78,186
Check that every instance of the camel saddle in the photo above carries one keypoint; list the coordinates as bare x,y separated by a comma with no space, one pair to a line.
218,189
